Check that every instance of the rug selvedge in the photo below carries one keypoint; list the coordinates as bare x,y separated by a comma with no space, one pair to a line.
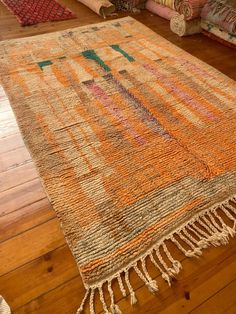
133,141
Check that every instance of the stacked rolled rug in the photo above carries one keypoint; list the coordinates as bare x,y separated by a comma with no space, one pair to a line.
189,8
188,22
184,15
219,21
163,8
108,7
129,5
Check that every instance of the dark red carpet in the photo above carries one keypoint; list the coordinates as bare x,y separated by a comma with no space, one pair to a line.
29,12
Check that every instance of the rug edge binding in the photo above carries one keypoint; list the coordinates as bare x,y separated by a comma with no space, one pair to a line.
205,229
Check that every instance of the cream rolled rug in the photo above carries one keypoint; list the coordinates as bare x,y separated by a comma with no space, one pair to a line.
181,27
101,7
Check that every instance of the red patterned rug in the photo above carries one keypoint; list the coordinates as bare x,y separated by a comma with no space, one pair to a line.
29,12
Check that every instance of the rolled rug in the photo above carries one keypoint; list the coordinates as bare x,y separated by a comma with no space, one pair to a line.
189,8
101,7
129,5
219,39
160,9
217,33
181,27
222,13
167,3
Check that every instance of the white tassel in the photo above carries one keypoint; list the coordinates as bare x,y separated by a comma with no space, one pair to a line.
121,285
176,264
114,307
103,301
196,252
91,302
152,283
164,275
81,308
232,208
133,298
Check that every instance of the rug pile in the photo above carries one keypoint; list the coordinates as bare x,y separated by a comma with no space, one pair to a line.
133,139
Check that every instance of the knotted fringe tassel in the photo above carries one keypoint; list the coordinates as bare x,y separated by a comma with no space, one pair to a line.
207,228
133,298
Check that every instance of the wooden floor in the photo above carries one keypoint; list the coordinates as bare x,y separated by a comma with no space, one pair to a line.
37,271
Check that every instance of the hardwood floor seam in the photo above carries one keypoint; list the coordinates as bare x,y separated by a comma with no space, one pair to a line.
211,296
12,270
48,291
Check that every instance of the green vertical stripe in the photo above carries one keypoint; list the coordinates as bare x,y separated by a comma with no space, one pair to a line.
125,54
91,54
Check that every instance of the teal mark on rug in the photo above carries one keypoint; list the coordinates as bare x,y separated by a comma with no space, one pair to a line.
45,63
91,54
125,54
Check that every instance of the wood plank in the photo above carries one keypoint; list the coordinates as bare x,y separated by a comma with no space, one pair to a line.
212,262
7,116
29,245
25,218
223,302
17,176
10,143
4,102
207,279
42,274
21,196
8,128
14,158
198,280
64,299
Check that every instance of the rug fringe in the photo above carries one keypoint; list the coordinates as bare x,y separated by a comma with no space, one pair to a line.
207,228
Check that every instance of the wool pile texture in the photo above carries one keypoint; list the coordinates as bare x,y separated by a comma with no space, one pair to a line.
29,12
133,139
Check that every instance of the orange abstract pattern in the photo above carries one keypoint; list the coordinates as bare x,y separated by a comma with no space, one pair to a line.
132,137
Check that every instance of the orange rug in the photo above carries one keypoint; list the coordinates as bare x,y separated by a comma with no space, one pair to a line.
134,140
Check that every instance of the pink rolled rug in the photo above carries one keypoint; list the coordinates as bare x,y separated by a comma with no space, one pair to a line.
160,10
189,8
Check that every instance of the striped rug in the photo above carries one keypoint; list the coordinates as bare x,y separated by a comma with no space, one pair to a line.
134,140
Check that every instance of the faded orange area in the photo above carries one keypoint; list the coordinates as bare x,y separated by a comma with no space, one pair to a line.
141,237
